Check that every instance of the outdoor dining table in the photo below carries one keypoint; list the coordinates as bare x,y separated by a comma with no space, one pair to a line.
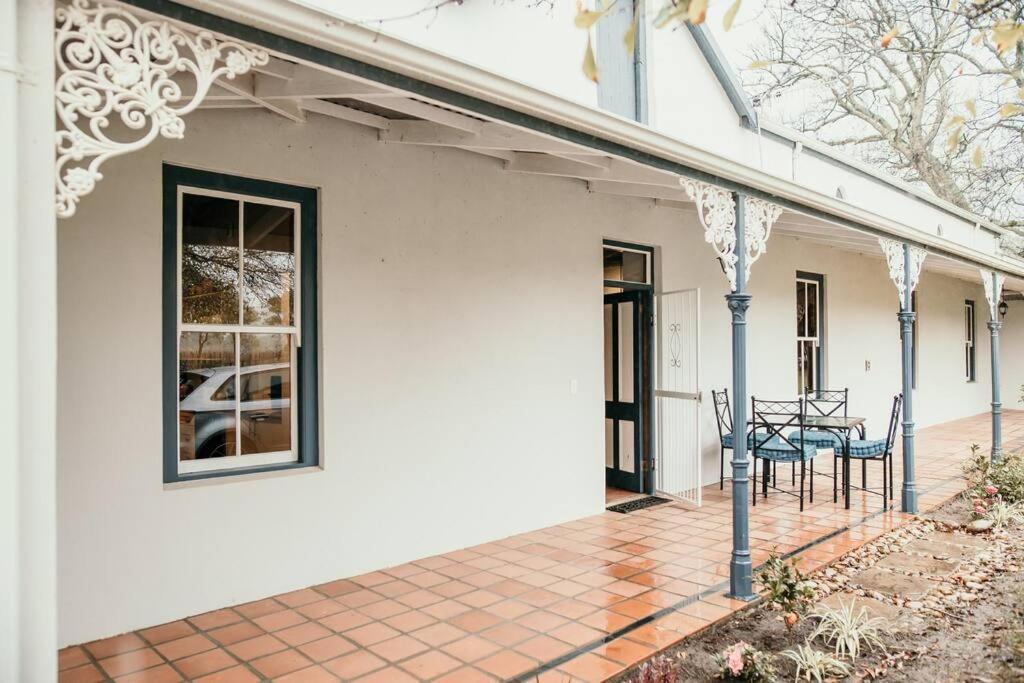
834,424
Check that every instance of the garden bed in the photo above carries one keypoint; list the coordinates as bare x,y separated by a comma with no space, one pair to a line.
949,606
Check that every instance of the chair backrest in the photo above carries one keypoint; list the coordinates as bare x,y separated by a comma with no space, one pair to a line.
775,418
894,421
723,413
827,402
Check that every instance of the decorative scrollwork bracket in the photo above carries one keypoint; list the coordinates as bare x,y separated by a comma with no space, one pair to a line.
112,64
716,209
993,283
893,251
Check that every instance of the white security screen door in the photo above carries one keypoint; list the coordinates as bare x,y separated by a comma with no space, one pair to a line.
677,395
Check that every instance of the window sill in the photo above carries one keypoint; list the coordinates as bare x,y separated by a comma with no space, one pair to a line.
217,477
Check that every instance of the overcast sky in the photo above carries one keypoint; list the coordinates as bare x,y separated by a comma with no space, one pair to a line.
745,30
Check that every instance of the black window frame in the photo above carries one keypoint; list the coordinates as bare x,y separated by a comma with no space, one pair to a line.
307,355
970,341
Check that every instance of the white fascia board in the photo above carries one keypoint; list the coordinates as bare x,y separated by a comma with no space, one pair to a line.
314,27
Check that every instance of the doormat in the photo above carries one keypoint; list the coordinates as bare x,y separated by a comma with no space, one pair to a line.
638,504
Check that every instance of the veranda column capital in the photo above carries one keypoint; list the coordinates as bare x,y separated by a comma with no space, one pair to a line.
716,209
896,254
993,283
113,64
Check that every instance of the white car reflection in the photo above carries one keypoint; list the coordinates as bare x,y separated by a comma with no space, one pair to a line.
206,410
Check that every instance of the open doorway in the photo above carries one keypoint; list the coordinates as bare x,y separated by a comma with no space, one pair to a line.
628,319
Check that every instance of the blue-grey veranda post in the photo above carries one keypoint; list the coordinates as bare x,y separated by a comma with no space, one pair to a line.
994,324
741,585
906,318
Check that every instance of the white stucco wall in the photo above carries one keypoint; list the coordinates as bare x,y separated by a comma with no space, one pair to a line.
459,302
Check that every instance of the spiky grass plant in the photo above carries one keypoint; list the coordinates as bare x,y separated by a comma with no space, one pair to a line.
850,630
816,665
1003,514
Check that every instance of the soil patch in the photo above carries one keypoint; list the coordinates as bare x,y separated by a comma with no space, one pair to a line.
954,602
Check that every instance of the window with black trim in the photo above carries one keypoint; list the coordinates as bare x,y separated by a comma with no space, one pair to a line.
810,337
969,356
240,358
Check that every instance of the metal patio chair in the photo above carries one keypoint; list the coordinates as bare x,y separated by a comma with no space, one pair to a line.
877,450
723,417
827,403
774,418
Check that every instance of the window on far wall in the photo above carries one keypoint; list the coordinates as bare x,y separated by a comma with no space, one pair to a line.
240,332
810,323
969,355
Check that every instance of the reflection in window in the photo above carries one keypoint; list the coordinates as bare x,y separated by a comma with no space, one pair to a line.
206,364
238,260
266,393
209,260
269,264
626,266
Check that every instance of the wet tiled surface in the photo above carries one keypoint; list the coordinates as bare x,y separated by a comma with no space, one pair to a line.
577,602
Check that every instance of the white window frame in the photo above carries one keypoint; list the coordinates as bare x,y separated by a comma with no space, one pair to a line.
238,460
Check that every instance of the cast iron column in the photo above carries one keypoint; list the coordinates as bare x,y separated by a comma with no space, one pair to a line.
997,405
906,318
741,584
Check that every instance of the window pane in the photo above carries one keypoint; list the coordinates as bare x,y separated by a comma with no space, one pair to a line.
634,267
625,266
269,238
266,393
206,403
209,260
812,310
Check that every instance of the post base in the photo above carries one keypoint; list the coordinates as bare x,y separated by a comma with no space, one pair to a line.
909,500
741,580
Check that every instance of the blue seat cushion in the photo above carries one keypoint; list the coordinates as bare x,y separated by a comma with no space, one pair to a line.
727,440
777,450
870,448
821,439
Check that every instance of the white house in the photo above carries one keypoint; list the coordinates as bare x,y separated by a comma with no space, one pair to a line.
344,294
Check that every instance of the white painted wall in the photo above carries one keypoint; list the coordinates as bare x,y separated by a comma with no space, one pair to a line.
458,303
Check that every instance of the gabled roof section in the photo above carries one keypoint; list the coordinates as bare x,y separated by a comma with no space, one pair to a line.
723,71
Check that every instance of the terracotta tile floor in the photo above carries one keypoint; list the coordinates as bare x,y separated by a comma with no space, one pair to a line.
577,602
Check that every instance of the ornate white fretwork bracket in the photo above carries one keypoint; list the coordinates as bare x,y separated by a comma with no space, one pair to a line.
717,212
893,251
993,283
113,64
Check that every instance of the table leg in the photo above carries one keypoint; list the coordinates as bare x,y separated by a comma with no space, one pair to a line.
846,470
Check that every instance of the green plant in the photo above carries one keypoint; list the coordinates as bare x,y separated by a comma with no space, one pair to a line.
848,630
1005,476
1003,514
815,665
744,662
786,588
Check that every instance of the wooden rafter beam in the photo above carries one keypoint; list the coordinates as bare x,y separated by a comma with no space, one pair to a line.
616,170
338,111
491,136
637,190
